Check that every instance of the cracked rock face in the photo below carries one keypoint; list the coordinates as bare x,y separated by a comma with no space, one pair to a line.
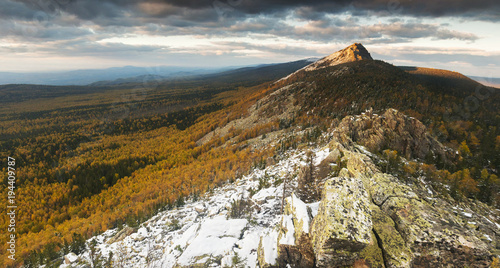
343,225
394,250
417,229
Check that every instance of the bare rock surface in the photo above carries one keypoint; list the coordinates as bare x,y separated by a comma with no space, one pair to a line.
343,225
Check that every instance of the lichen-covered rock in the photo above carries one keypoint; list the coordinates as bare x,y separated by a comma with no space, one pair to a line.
359,165
371,256
432,231
342,227
384,186
414,227
396,253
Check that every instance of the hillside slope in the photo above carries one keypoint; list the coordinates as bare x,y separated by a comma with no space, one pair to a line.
365,217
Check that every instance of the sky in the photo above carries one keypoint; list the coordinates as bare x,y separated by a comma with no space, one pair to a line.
56,35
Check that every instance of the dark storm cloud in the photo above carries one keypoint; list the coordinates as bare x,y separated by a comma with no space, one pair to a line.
335,29
15,10
196,10
76,27
66,19
481,9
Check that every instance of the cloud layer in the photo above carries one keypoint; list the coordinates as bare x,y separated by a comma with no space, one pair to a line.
84,27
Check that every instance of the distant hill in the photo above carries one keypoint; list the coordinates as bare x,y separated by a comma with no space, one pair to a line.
133,74
488,81
85,77
261,73
245,75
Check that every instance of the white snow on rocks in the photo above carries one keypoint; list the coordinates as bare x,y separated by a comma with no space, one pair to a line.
299,210
287,225
214,237
201,232
270,247
321,155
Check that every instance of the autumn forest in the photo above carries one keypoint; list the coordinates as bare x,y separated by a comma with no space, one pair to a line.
93,158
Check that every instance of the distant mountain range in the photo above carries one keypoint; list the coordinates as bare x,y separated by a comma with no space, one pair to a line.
488,81
85,77
134,74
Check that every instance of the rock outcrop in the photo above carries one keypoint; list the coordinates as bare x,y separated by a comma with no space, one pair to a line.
392,130
367,218
416,228
301,253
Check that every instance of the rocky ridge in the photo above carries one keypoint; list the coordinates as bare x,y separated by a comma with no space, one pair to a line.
394,130
365,218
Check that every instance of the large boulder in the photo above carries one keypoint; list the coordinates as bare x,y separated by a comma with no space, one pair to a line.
412,226
371,256
343,225
425,232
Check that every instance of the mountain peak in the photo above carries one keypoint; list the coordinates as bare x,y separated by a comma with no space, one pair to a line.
354,52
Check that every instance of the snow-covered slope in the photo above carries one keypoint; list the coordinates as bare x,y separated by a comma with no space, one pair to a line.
202,232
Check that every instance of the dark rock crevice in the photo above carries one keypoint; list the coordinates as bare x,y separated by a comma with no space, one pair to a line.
381,246
394,219
393,196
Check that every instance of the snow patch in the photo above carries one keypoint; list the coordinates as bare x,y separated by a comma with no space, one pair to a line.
270,247
299,208
287,225
215,237
321,155
488,237
466,214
